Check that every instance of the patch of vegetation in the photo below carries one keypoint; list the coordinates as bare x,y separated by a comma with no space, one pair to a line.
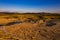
50,23
29,31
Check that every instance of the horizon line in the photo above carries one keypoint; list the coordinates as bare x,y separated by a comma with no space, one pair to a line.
28,12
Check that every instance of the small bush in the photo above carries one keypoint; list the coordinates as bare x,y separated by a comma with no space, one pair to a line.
12,23
31,20
50,23
1,24
41,17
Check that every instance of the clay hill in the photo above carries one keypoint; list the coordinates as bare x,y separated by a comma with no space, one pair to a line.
29,26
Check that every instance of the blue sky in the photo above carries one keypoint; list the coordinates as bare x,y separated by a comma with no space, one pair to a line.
30,5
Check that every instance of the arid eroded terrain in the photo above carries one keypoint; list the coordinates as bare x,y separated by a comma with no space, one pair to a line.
28,26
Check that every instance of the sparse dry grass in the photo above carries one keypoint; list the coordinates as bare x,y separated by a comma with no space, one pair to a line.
28,30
